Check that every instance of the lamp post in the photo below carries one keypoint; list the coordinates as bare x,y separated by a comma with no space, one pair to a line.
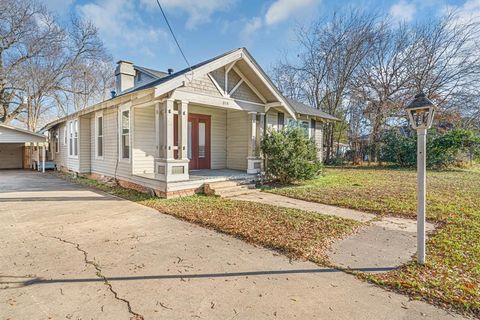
420,112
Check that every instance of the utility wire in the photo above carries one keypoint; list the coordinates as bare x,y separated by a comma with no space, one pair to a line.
173,35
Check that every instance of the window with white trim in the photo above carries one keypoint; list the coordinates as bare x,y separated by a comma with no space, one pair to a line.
99,135
57,141
125,133
73,138
65,135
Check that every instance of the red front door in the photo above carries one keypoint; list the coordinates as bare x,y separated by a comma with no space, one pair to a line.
199,141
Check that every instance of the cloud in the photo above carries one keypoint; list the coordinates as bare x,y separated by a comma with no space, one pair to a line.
120,24
281,10
403,11
199,11
278,11
250,27
469,11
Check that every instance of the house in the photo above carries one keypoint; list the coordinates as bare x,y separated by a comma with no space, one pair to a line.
172,132
20,149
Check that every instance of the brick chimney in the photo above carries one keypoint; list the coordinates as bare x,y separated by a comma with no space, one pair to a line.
124,76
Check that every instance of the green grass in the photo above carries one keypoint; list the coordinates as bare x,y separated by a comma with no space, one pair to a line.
451,275
294,232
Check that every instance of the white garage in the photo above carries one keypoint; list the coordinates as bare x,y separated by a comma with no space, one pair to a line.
15,152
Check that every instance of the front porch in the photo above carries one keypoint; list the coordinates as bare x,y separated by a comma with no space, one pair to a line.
195,143
198,178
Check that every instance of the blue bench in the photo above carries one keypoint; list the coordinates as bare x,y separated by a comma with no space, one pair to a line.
49,165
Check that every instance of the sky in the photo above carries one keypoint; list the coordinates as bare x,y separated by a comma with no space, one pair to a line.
135,30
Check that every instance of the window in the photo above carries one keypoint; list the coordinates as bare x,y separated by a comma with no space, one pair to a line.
305,125
73,138
57,141
313,126
280,120
99,135
65,136
125,134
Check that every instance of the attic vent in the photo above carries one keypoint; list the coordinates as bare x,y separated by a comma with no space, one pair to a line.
170,70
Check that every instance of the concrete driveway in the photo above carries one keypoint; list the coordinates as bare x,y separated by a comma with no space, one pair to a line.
72,253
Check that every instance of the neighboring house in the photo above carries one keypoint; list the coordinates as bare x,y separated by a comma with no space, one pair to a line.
19,148
341,149
171,132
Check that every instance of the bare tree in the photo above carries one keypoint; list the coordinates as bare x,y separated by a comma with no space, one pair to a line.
330,55
384,78
42,73
364,70
26,31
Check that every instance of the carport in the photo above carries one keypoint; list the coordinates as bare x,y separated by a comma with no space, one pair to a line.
19,148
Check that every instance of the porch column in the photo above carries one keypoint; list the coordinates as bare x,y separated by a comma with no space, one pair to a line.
254,163
167,168
158,131
252,146
43,157
183,130
261,130
168,128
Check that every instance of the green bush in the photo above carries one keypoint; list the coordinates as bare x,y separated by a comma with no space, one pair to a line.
290,155
398,149
443,150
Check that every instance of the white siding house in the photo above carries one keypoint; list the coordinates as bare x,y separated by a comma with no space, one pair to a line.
172,132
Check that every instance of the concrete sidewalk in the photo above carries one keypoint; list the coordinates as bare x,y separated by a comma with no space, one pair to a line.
378,246
69,252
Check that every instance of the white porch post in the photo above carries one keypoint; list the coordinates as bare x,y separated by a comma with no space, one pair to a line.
252,146
254,163
43,157
167,168
168,129
183,130
261,130
158,132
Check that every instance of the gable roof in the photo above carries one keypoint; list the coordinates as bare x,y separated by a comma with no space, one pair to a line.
177,74
169,82
22,135
302,108
151,72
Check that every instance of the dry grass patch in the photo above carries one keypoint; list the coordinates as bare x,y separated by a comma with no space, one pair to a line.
451,275
297,233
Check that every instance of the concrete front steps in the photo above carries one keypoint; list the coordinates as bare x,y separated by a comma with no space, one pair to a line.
232,188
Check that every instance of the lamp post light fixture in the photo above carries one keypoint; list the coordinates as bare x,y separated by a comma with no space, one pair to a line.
420,112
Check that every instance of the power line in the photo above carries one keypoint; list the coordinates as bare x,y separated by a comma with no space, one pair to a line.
173,35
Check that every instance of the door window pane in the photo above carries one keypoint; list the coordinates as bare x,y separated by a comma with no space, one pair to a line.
201,139
189,140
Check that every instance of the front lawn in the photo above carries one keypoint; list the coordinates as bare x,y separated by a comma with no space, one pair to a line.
451,275
294,232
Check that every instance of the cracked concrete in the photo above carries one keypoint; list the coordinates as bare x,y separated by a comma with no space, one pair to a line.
165,268
99,274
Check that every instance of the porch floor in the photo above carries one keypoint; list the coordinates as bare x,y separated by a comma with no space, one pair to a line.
210,175
220,174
